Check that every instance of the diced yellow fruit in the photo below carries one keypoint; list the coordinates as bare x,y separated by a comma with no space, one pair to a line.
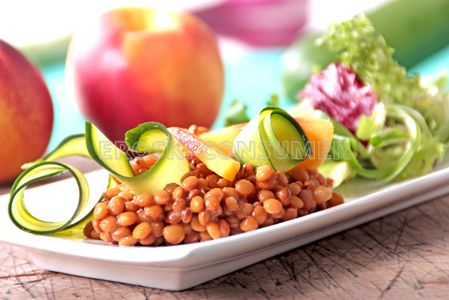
215,159
223,138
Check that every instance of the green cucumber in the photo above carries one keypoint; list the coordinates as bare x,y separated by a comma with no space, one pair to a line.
23,219
415,28
106,154
171,166
273,138
74,145
147,137
46,168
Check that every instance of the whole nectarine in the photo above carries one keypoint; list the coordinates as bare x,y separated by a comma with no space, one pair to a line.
26,112
134,65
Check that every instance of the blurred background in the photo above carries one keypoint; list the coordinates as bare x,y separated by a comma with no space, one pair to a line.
253,36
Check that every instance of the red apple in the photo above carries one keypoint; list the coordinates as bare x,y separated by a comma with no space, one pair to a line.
135,65
26,112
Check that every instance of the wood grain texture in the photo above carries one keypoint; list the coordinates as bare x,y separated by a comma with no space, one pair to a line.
404,255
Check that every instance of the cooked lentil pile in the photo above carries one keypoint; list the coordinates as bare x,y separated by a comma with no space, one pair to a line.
206,206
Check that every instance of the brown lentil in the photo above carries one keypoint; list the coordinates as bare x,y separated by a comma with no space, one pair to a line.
173,217
268,184
111,192
128,241
223,183
283,194
245,210
282,179
336,199
178,193
157,228
144,199
179,205
154,212
212,180
174,234
272,206
296,202
224,228
100,211
127,195
193,193
244,187
127,218
169,188
120,233
231,204
295,188
265,195
149,240
142,230
196,225
290,214
106,236
230,192
186,216
161,198
197,204
204,217
259,214
233,221
96,225
249,224
307,198
299,174
131,206
264,173
322,194
269,221
204,236
108,224
192,237
116,205
189,183
279,215
214,230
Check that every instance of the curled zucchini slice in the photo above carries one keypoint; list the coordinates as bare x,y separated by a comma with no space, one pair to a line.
148,137
273,138
342,146
46,168
74,145
21,217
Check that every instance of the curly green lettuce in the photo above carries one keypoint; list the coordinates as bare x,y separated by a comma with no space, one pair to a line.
358,45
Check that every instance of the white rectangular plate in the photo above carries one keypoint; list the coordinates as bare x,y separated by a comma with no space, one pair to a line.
184,266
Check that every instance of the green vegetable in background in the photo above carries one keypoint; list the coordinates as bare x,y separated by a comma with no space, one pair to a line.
408,131
415,28
237,112
357,44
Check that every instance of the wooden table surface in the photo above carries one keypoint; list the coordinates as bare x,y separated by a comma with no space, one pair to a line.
404,255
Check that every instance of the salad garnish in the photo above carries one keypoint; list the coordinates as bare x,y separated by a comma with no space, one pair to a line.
396,126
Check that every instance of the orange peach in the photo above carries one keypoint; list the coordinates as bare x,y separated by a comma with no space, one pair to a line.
26,112
320,133
135,65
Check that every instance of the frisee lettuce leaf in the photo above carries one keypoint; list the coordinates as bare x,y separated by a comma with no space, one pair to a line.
357,44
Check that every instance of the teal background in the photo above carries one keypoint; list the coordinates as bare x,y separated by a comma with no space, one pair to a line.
252,79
